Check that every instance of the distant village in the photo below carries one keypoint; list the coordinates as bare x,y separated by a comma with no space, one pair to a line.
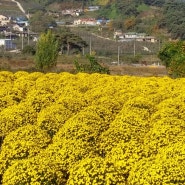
12,28
15,27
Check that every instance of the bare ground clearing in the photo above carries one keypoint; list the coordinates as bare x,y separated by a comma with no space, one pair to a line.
16,65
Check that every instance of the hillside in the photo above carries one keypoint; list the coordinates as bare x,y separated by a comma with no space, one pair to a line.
160,18
9,8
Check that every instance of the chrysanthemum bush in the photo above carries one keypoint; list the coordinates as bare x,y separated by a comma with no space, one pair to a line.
96,171
36,170
27,141
53,117
16,116
91,129
167,167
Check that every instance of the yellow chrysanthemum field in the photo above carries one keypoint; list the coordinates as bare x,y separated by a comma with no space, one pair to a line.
91,129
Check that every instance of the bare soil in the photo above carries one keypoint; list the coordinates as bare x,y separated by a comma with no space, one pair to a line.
138,70
28,65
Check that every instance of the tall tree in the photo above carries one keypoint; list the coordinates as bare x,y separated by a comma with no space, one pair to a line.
46,51
173,56
68,41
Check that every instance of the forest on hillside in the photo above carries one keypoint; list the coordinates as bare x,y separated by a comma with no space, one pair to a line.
147,16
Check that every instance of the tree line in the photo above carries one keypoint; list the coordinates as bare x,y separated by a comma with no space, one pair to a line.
174,19
172,54
126,16
49,46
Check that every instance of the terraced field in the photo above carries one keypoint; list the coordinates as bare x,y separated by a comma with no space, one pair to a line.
9,8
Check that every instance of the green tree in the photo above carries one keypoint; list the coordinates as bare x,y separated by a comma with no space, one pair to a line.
129,23
40,22
69,41
173,19
173,56
29,50
93,67
119,9
46,51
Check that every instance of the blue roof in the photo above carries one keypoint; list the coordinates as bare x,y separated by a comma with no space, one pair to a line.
21,18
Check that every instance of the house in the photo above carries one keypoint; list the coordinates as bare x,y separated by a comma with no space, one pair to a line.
17,27
2,17
68,12
21,18
93,8
150,39
3,28
102,21
140,37
89,21
10,35
86,21
78,12
130,35
4,20
118,34
21,21
60,22
72,12
7,44
77,22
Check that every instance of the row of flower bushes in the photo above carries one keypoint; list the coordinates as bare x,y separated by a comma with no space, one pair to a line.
91,129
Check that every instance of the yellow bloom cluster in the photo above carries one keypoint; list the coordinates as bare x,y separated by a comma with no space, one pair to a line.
26,141
91,129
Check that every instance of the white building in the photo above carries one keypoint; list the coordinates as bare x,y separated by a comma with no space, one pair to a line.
16,27
7,44
87,21
130,35
4,20
77,22
2,17
118,34
93,8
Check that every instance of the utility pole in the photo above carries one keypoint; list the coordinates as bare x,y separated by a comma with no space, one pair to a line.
134,47
90,47
28,35
118,54
22,42
11,39
28,28
159,44
83,5
83,51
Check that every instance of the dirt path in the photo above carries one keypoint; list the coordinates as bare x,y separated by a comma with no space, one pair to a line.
20,7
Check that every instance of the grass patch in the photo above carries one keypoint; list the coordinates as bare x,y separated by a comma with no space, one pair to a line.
143,7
